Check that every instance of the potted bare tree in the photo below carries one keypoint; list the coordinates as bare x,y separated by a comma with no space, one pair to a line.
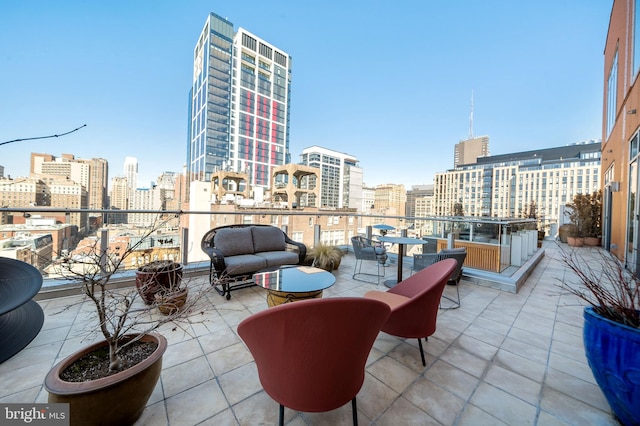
110,382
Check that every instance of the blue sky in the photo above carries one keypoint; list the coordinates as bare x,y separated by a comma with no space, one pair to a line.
387,82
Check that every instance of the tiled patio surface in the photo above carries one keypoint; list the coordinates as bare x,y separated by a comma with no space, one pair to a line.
502,358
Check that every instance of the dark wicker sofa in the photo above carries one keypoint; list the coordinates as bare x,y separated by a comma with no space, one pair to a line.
238,251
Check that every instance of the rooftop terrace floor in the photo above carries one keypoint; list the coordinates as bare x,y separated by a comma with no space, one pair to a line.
502,358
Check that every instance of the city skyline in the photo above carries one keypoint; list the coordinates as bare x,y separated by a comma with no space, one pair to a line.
392,76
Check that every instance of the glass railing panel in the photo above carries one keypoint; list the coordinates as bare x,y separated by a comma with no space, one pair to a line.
176,235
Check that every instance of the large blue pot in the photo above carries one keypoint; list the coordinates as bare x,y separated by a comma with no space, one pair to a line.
613,352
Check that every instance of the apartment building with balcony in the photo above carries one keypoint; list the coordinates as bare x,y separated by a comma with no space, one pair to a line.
239,104
505,185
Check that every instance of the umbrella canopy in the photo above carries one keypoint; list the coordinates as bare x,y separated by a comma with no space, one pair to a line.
383,226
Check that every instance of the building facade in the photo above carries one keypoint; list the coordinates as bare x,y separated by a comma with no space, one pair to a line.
131,172
92,174
621,134
340,177
505,185
391,200
419,203
468,151
239,104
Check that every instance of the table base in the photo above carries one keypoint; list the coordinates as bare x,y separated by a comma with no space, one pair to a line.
275,298
391,283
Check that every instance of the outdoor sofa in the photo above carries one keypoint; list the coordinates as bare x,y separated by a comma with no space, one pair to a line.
238,251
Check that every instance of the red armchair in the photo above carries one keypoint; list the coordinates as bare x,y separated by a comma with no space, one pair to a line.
414,302
311,354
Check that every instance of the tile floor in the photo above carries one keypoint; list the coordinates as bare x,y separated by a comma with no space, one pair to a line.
502,358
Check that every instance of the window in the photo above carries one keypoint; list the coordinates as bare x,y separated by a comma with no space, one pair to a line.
612,84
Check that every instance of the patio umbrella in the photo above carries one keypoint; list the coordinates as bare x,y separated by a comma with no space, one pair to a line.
383,226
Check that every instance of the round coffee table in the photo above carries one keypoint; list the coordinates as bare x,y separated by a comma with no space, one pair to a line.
290,283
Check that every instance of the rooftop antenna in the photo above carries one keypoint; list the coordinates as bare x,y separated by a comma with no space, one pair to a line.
471,118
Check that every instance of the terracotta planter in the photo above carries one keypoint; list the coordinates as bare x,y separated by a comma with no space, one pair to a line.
118,399
155,276
575,241
171,302
592,241
563,232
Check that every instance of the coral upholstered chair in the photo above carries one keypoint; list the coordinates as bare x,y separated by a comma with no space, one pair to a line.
414,302
311,354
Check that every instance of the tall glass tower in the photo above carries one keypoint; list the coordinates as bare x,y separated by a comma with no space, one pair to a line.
239,104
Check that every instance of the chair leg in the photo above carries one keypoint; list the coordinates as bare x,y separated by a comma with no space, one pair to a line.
354,409
281,416
455,302
424,364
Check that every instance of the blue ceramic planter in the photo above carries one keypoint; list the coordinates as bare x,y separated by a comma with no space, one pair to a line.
613,352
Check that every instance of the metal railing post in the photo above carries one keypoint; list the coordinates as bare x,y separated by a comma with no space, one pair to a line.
316,235
184,246
104,246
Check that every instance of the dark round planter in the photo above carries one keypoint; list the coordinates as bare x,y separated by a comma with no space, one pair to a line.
613,352
155,276
118,399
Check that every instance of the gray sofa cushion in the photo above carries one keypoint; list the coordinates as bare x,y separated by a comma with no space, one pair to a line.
234,241
244,264
268,238
279,258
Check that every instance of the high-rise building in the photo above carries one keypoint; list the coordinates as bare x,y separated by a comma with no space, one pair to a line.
468,151
72,195
505,185
92,174
131,172
416,204
145,199
98,178
118,199
239,104
340,177
391,200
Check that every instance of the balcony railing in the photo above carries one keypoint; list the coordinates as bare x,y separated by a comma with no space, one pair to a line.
492,244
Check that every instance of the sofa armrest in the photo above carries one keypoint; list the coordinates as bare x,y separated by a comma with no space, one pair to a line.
217,259
302,249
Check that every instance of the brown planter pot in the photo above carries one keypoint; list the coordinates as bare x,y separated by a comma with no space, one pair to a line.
563,232
575,241
592,241
155,276
118,399
171,302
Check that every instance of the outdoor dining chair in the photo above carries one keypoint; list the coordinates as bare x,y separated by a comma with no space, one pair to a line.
365,249
414,302
421,261
311,354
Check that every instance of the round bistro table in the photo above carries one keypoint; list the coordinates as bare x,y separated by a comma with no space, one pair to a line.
291,283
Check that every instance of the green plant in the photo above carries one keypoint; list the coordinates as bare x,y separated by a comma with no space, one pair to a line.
325,256
585,215
604,283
